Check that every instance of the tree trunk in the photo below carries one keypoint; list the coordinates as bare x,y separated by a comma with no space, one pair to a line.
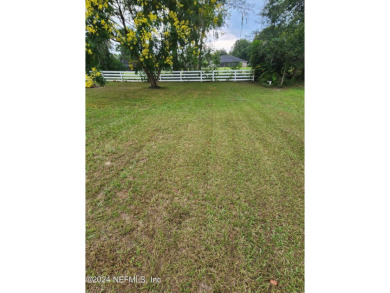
200,51
284,73
153,83
200,57
152,79
175,55
296,69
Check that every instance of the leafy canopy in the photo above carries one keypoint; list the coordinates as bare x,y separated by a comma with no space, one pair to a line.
150,30
277,52
241,49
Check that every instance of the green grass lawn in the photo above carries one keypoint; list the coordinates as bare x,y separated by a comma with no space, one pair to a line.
229,68
199,184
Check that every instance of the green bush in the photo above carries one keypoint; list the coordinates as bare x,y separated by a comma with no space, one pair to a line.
236,66
94,77
269,79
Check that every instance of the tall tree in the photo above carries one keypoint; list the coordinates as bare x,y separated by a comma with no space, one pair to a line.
206,16
241,49
98,45
151,30
216,59
278,50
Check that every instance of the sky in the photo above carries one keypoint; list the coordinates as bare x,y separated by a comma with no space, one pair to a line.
233,30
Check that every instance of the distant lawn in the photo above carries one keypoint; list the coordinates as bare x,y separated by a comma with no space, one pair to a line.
229,68
199,184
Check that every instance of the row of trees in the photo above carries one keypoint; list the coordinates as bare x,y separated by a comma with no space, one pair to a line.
277,52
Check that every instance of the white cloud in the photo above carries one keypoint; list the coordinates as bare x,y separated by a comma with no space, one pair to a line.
225,41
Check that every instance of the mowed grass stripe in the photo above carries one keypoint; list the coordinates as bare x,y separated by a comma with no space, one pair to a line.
205,186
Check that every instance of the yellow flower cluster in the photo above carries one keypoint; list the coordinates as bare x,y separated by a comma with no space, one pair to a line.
95,72
181,27
145,53
93,8
169,60
131,37
88,82
152,16
92,5
145,36
140,19
106,25
88,48
90,79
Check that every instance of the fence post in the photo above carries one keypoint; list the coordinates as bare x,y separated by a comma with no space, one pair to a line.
235,75
121,75
253,76
213,75
201,79
180,76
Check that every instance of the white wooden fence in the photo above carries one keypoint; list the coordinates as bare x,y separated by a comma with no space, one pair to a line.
180,76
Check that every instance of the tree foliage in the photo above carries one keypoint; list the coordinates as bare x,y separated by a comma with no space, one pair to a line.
277,52
221,52
154,32
205,16
241,49
98,44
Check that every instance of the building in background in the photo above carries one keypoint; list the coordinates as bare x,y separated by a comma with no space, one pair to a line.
229,61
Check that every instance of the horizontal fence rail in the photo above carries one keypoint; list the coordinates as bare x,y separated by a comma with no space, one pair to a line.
182,76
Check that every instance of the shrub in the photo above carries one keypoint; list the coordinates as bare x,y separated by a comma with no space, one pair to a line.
269,79
94,78
236,66
257,70
88,81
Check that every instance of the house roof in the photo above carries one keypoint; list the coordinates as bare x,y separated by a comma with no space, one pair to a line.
231,59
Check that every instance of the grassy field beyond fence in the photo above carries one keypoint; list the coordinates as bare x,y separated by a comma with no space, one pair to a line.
199,184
